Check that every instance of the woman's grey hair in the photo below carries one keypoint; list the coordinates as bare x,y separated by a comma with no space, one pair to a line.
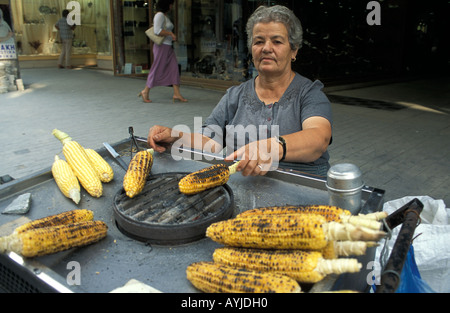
277,14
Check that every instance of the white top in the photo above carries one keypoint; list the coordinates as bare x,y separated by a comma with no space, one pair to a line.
160,22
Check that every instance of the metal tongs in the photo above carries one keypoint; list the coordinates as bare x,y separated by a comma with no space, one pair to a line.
133,141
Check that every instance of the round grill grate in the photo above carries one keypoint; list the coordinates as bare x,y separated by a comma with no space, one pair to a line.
160,214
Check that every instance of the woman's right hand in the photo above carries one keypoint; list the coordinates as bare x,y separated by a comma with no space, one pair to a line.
159,137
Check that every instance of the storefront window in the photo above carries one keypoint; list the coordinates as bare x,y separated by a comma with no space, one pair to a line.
36,35
211,39
136,46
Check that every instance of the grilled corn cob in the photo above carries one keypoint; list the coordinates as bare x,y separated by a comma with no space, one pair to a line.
331,213
103,169
64,218
48,240
80,164
284,231
66,180
303,266
137,172
207,178
216,278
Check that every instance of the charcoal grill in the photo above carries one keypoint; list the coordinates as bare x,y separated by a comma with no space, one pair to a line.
161,214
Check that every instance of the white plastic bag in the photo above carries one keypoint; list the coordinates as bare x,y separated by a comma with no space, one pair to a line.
431,243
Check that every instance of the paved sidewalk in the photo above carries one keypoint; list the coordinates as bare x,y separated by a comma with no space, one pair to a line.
401,146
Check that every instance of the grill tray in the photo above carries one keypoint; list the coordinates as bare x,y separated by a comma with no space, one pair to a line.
161,214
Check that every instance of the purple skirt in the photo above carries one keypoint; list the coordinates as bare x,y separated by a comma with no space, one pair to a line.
164,70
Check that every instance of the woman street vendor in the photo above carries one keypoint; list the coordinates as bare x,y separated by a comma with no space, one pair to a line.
278,119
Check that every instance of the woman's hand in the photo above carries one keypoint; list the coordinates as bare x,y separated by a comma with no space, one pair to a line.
159,137
257,158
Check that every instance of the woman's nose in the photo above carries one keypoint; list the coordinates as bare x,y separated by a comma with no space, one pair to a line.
267,47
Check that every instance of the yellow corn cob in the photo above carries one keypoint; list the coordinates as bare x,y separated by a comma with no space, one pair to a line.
207,178
331,213
80,164
64,218
66,180
297,231
284,231
103,169
217,278
303,266
48,240
137,172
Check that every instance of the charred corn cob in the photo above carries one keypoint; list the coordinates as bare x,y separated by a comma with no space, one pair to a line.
81,165
217,278
66,180
331,213
303,266
138,170
48,240
69,217
103,169
207,178
284,231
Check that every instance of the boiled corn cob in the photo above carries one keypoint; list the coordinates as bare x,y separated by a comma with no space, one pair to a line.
103,169
66,180
81,165
331,213
303,266
207,178
64,218
137,172
217,278
48,240
284,231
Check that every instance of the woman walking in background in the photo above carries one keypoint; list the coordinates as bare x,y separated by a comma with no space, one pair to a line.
164,70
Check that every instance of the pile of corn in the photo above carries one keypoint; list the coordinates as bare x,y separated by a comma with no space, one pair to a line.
82,166
294,244
54,234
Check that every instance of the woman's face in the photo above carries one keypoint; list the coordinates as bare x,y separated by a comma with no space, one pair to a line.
271,50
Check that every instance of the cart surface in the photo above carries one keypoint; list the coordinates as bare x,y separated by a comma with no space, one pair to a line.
115,260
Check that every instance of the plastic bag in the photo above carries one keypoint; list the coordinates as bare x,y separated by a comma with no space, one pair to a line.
410,279
431,248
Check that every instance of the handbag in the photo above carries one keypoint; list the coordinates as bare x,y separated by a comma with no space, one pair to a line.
153,37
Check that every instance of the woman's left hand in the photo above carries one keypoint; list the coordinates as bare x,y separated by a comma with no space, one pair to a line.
257,158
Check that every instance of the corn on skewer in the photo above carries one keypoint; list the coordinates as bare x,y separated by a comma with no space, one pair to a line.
64,218
48,240
66,180
377,216
207,178
81,165
103,169
303,266
331,213
137,172
335,249
284,231
214,278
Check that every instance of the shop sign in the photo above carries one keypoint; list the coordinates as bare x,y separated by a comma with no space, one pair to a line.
7,50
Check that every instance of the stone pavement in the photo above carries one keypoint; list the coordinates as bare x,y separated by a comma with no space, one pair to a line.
399,139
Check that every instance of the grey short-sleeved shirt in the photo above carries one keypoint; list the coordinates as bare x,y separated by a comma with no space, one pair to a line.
240,117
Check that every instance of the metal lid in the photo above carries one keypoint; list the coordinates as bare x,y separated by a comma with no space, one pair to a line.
344,176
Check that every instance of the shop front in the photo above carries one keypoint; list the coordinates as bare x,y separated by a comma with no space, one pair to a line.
39,43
